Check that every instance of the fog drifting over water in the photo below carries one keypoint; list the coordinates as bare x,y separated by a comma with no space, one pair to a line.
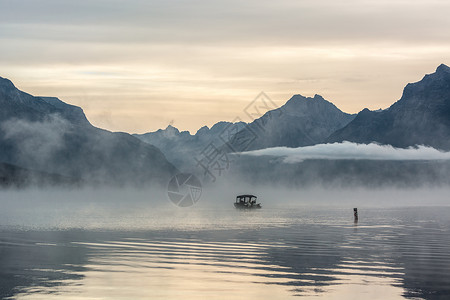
150,209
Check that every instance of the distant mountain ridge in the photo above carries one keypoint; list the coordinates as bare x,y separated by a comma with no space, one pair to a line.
46,135
181,148
302,121
420,117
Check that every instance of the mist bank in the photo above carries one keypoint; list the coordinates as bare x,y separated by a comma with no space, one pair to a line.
339,173
150,209
353,151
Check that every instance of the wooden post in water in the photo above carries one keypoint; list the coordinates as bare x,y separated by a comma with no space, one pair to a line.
355,213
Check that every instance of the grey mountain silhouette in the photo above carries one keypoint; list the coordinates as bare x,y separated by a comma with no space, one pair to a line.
420,117
302,121
46,135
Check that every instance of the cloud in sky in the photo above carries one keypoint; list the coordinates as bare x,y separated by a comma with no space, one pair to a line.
203,61
209,22
348,150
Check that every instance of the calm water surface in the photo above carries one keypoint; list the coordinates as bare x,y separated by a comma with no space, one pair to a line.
391,253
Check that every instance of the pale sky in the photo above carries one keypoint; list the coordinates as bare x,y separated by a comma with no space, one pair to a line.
138,65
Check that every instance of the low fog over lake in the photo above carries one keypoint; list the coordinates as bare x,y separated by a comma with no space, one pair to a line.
115,244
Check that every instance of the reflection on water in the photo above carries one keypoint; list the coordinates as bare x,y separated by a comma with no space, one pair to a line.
388,254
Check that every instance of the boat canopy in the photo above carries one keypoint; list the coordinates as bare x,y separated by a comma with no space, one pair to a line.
246,198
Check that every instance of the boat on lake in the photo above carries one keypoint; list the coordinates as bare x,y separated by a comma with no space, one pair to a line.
246,202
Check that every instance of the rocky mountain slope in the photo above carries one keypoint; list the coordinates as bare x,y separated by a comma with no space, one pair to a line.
46,135
420,117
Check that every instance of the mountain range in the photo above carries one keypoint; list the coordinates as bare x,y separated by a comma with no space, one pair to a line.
51,139
181,148
420,117
302,121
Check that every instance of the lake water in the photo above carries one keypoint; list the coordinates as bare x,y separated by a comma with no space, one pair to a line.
274,253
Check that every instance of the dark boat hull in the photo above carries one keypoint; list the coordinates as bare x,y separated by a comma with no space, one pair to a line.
243,206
